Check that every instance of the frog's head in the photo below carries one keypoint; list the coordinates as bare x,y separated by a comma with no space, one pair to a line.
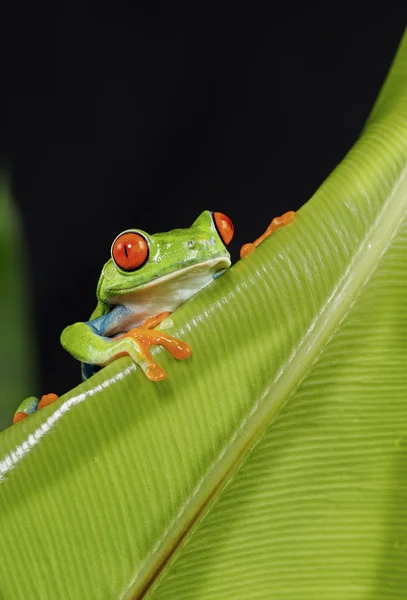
165,269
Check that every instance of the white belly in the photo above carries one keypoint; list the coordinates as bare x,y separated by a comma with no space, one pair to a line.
168,293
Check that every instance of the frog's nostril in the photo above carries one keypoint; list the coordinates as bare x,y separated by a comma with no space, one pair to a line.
191,244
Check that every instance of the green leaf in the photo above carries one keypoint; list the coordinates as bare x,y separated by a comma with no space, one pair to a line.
273,462
16,340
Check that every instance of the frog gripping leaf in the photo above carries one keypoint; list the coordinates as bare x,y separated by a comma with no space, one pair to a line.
144,281
146,278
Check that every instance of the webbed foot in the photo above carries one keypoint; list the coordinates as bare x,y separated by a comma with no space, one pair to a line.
147,337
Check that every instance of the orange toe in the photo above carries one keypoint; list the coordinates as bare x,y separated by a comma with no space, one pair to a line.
19,417
155,373
47,399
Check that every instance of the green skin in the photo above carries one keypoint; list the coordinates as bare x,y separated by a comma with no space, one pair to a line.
180,263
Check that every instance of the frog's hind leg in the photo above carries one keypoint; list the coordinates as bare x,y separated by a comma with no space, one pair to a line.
27,407
32,404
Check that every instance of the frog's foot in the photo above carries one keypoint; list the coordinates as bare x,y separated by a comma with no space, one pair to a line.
27,407
31,404
146,338
275,224
47,399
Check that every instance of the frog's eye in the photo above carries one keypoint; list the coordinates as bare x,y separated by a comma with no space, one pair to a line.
224,226
130,250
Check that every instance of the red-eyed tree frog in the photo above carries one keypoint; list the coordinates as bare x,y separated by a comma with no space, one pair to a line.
146,278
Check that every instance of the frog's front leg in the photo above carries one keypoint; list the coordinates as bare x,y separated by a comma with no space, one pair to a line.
89,343
276,223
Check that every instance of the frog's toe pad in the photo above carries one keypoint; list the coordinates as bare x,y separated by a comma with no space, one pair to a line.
19,416
181,350
155,373
47,399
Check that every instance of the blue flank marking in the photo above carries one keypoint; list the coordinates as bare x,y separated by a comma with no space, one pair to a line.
102,326
219,273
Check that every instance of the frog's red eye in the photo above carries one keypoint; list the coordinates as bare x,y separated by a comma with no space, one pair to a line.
130,250
224,226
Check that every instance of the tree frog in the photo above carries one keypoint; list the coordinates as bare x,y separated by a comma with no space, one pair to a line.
145,279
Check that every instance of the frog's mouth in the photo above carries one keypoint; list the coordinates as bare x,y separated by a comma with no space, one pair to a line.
168,292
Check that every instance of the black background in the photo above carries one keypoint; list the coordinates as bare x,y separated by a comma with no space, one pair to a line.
123,117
